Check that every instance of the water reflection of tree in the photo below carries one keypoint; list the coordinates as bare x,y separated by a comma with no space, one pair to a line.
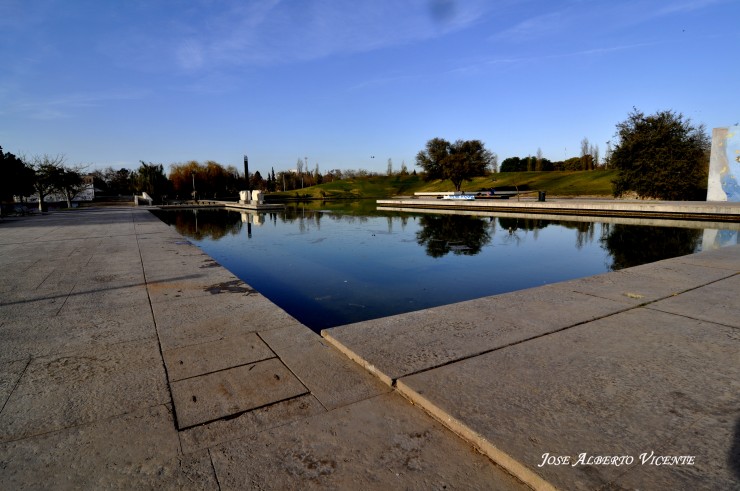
631,245
201,224
460,234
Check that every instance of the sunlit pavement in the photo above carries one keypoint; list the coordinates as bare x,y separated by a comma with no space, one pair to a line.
130,359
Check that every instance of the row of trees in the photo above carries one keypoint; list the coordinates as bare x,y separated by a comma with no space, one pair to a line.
41,175
663,156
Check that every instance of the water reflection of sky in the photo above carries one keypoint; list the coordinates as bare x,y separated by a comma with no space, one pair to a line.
329,269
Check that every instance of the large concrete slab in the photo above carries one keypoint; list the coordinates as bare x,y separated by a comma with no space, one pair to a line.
63,390
647,283
10,374
397,346
375,444
212,434
717,302
138,450
233,391
200,359
331,377
182,322
634,382
72,332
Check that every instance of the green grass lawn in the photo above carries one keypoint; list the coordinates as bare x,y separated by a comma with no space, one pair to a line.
574,183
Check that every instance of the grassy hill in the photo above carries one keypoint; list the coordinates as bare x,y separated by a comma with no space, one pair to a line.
575,183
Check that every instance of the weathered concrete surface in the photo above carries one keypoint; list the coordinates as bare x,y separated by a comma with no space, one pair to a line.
97,310
645,360
200,359
715,210
375,444
227,392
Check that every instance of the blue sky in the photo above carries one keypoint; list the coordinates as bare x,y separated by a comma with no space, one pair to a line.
110,83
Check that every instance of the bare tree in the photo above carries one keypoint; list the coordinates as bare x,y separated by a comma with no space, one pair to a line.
390,167
48,171
71,182
585,154
538,162
594,151
299,168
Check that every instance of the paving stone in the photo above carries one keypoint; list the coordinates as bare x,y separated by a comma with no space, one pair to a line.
182,322
59,391
724,258
717,302
82,299
330,376
622,385
396,346
647,283
10,374
290,335
249,423
228,392
200,359
71,332
139,450
375,444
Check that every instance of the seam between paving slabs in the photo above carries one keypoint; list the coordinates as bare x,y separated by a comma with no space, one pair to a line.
154,321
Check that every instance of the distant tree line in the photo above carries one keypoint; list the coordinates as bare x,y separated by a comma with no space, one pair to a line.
39,175
663,156
588,160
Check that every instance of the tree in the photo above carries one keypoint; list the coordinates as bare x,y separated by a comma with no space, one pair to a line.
432,158
457,161
389,172
660,156
47,173
538,162
16,177
150,179
586,160
70,182
404,170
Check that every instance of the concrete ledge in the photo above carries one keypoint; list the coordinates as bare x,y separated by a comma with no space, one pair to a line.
627,366
686,210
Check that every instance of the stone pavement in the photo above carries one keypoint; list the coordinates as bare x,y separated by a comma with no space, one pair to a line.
131,360
634,364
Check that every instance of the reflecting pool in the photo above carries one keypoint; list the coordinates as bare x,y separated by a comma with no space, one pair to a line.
329,267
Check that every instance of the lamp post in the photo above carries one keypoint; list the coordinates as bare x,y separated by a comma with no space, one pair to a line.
246,176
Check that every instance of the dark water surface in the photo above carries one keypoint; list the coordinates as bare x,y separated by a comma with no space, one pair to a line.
332,267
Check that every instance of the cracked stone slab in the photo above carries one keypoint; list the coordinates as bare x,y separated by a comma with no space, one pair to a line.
223,430
200,359
332,378
63,390
395,346
283,337
233,391
630,383
138,450
717,302
10,374
380,443
647,283
724,257
72,332
183,322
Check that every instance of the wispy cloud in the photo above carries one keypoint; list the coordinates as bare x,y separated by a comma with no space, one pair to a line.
589,17
65,106
278,32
